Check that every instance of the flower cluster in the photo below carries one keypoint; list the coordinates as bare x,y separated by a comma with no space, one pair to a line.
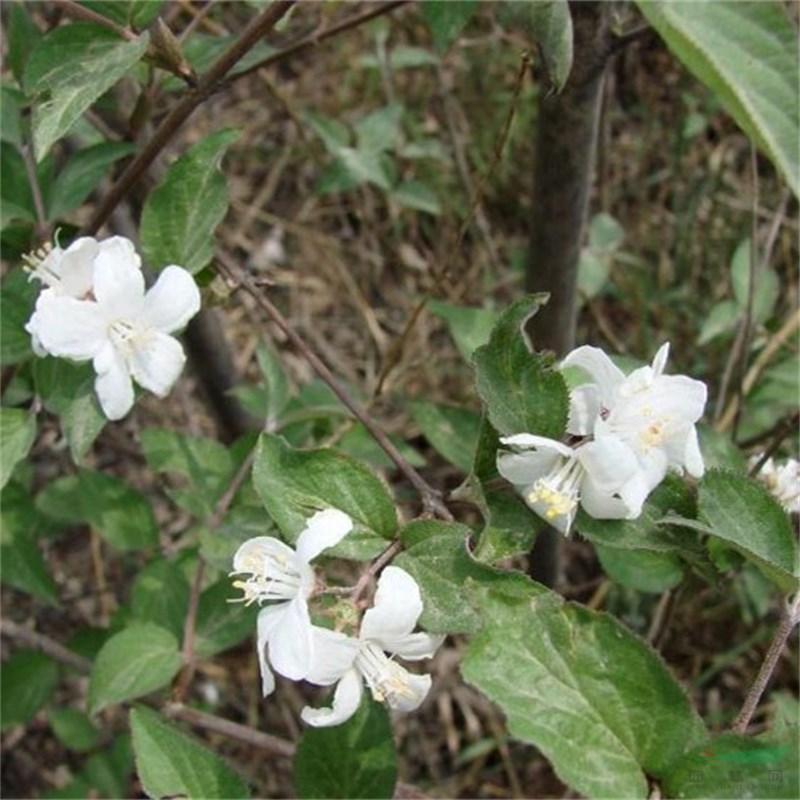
290,644
628,431
94,307
781,480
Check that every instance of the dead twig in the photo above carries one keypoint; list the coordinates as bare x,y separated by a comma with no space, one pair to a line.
48,646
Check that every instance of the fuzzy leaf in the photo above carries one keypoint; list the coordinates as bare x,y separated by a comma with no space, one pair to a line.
17,434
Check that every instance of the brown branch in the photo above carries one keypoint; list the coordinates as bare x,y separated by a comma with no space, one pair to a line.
789,618
206,86
78,11
431,498
44,643
42,228
187,650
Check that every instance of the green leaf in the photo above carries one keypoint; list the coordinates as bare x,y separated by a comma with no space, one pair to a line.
333,133
453,432
220,623
171,764
737,766
359,444
22,36
277,385
140,659
109,771
645,571
750,520
401,57
295,484
747,54
120,514
181,214
765,289
437,555
12,102
446,18
550,24
719,450
469,327
595,699
74,729
17,300
353,760
380,130
721,319
29,679
160,594
17,435
522,391
21,563
364,166
205,463
416,195
70,68
82,174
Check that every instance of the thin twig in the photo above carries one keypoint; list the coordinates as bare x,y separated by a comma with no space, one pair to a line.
44,643
374,568
789,618
199,719
36,191
431,498
189,627
206,86
78,11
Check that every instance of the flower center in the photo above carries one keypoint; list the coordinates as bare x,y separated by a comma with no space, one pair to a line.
121,332
557,492
272,578
387,680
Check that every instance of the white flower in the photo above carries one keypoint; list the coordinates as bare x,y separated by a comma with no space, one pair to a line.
782,481
123,330
284,577
70,272
603,475
386,627
654,414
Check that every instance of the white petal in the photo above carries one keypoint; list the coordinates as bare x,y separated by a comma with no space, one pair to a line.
414,646
584,408
113,383
76,267
334,653
68,327
119,252
346,700
600,368
119,288
290,641
156,361
625,503
415,690
528,440
608,462
660,360
267,619
523,469
253,554
172,301
325,529
693,458
396,609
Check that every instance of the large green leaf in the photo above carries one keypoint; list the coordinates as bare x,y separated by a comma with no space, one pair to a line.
522,391
160,594
353,760
747,517
170,764
119,513
437,555
594,698
452,431
29,678
446,18
70,68
294,484
134,662
737,766
181,214
747,53
17,434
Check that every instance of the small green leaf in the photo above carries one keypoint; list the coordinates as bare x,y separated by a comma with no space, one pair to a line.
380,130
295,484
364,166
17,299
140,659
70,68
82,174
21,563
160,594
747,54
749,519
220,623
354,760
469,327
446,18
721,319
453,432
359,444
120,514
29,679
643,570
724,766
109,771
766,287
522,391
22,36
171,764
416,195
17,435
181,214
595,699
74,729
277,385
